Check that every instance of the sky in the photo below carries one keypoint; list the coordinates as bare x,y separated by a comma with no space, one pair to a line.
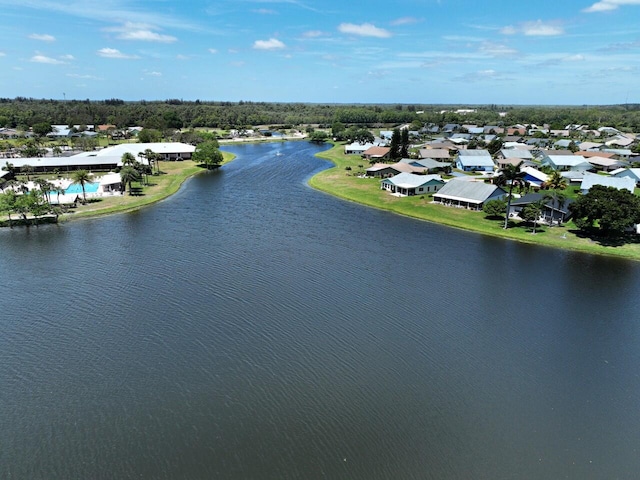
569,52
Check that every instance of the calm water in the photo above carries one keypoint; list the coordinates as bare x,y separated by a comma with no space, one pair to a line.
252,328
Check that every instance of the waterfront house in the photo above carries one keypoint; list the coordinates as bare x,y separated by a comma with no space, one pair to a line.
409,184
384,170
376,153
468,194
357,148
553,210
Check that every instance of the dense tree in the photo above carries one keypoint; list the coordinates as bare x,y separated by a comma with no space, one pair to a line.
511,176
494,146
531,213
494,208
81,177
395,145
608,209
207,154
149,135
319,136
8,204
404,143
41,129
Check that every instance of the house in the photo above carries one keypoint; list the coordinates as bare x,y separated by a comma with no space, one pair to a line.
619,153
357,148
563,163
384,170
553,210
409,184
474,160
603,163
110,183
534,177
435,153
376,153
468,194
633,173
620,183
429,163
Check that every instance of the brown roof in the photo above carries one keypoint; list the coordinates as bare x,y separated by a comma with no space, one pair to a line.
434,153
596,154
376,151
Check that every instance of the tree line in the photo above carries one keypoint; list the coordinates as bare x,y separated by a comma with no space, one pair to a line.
24,113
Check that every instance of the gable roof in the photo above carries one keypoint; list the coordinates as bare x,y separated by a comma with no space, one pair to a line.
621,183
410,180
472,192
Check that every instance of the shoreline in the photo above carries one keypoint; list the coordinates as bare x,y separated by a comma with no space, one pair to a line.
167,184
345,184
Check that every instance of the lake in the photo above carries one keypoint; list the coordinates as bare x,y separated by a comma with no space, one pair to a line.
250,327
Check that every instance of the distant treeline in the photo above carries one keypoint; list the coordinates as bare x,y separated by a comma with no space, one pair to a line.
23,112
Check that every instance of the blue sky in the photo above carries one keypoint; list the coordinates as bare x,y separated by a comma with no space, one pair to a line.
405,51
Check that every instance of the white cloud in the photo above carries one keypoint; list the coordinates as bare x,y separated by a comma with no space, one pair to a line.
608,5
42,37
2,54
39,58
497,50
213,51
534,29
115,53
265,11
153,74
67,57
404,21
84,77
574,58
142,32
271,44
364,30
313,34
147,36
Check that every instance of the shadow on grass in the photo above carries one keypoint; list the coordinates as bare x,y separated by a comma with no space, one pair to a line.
607,240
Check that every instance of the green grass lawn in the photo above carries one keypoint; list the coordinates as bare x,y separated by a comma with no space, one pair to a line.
347,185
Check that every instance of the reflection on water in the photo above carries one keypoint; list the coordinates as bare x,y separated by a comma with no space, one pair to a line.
250,327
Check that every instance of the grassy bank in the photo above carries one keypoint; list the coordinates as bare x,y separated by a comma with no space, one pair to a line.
160,187
346,184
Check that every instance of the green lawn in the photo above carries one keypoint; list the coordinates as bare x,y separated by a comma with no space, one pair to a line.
347,185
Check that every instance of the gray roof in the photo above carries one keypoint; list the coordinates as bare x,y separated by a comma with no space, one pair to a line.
429,163
410,180
516,153
621,183
474,153
472,192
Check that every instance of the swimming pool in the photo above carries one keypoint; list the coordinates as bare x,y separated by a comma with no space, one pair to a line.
77,188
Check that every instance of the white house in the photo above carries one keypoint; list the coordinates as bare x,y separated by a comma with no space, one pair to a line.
621,183
474,160
409,184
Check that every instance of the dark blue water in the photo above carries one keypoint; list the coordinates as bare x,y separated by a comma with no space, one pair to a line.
250,327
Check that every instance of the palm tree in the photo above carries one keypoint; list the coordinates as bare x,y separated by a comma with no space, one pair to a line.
512,176
128,159
9,167
128,175
81,177
556,181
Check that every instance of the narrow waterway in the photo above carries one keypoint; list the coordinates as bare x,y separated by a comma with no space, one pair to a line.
250,327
